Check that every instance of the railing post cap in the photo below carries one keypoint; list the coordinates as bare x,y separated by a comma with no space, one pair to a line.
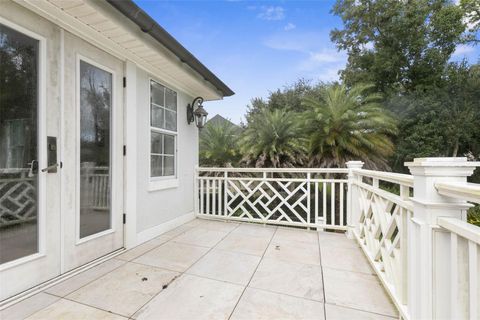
355,164
442,166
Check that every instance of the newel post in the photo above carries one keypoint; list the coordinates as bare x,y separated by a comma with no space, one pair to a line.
428,246
353,196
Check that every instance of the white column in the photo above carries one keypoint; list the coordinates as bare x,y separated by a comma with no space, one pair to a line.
130,139
353,203
428,250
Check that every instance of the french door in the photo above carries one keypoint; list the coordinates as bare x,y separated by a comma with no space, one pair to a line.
93,152
29,215
61,156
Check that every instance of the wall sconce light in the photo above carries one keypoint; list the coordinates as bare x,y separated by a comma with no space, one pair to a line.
199,115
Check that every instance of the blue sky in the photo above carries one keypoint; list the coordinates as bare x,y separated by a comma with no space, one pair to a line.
257,47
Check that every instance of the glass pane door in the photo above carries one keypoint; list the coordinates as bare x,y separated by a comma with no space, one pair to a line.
18,145
95,177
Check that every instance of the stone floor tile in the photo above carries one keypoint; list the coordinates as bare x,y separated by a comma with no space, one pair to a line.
143,248
300,252
349,259
255,230
191,297
259,304
291,278
200,236
177,231
225,226
74,283
244,244
288,235
334,312
69,310
356,290
226,266
335,239
124,290
27,307
173,256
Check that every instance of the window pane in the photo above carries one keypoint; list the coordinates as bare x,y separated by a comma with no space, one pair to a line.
170,120
18,145
156,166
95,110
171,99
157,142
158,115
158,93
169,166
169,144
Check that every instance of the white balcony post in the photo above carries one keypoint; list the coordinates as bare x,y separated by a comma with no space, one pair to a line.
353,196
428,250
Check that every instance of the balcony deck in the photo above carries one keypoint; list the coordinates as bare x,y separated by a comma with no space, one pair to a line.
222,270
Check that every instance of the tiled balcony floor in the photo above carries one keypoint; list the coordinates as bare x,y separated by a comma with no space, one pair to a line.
221,270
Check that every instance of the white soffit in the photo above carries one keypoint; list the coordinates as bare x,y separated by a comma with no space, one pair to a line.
83,18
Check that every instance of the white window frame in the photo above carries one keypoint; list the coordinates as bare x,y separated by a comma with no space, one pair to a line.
161,182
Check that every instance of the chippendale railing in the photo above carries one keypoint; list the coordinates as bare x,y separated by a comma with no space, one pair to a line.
18,197
293,197
412,228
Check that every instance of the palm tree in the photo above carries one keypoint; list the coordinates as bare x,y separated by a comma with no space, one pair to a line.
218,145
348,124
273,139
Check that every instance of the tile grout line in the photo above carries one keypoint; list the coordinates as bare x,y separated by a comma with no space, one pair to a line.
323,278
253,274
183,272
362,310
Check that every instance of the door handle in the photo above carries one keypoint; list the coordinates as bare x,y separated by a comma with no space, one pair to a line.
33,168
49,168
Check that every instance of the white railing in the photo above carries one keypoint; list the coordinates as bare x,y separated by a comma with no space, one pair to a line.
411,228
18,196
294,197
461,243
95,188
382,209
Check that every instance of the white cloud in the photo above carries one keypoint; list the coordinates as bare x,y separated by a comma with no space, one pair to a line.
289,26
462,50
271,13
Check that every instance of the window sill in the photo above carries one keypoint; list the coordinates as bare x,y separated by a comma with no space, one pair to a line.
157,185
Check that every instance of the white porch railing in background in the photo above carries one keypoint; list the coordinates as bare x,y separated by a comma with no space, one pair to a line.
18,196
95,184
293,197
412,228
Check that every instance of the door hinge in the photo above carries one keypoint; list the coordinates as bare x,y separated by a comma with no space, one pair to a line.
124,218
124,150
124,82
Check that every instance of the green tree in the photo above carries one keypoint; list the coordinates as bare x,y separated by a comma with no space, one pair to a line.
443,121
273,138
398,45
289,98
348,124
218,145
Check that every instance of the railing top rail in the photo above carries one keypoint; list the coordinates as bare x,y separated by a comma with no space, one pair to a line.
460,190
275,170
462,228
399,178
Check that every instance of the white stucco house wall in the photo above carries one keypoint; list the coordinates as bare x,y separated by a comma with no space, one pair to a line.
96,151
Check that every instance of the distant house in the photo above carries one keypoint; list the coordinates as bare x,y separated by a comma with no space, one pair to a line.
96,151
218,119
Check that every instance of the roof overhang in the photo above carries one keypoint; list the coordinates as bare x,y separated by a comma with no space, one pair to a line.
114,31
